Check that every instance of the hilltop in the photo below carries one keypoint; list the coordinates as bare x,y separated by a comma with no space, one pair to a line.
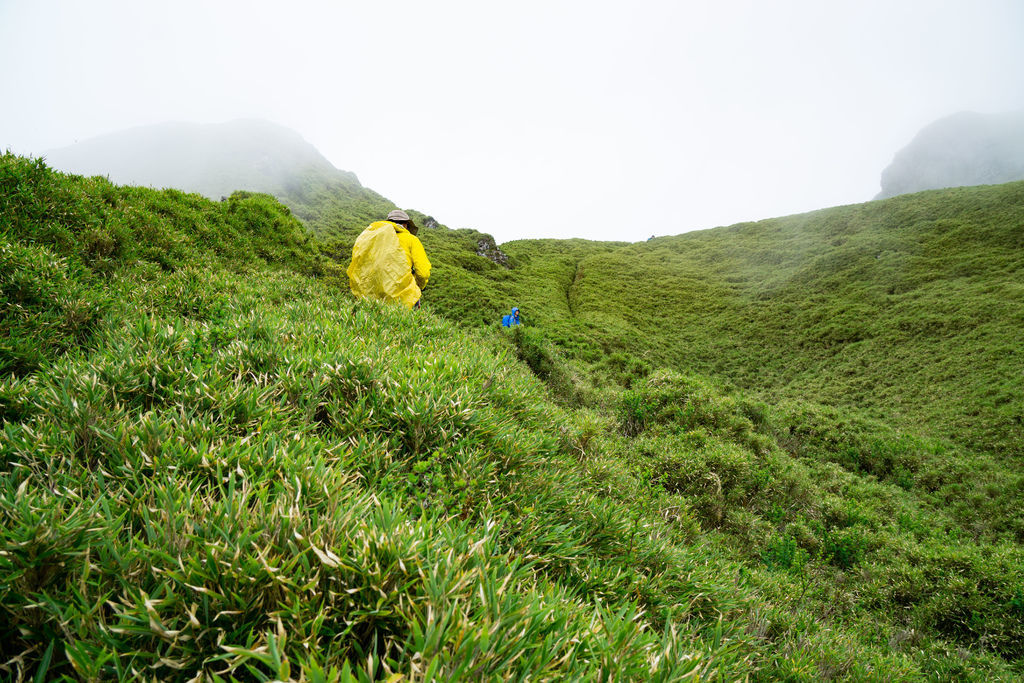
216,461
968,148
216,160
211,159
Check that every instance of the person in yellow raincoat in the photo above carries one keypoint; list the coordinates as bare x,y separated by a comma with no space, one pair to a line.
388,261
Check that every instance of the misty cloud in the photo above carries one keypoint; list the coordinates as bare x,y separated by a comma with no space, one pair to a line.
535,119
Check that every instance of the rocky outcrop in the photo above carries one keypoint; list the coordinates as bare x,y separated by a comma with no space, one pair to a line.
487,248
963,149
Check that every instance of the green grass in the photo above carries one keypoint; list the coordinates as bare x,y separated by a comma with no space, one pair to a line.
910,309
215,462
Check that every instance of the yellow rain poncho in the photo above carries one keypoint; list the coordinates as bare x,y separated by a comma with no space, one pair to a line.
388,263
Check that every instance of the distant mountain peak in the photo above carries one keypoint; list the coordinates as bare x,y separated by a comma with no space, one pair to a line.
211,159
967,148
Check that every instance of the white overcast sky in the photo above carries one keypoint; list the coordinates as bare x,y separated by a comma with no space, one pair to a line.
597,119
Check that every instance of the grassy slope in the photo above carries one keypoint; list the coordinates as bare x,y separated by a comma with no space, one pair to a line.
909,308
212,462
337,207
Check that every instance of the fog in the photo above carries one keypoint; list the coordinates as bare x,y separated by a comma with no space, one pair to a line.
610,121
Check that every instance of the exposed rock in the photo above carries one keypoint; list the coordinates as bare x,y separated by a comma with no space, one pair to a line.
487,248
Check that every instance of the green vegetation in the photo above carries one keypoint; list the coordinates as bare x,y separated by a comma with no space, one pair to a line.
215,462
908,309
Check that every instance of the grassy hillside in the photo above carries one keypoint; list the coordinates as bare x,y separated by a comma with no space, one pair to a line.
215,462
333,208
910,309
216,160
